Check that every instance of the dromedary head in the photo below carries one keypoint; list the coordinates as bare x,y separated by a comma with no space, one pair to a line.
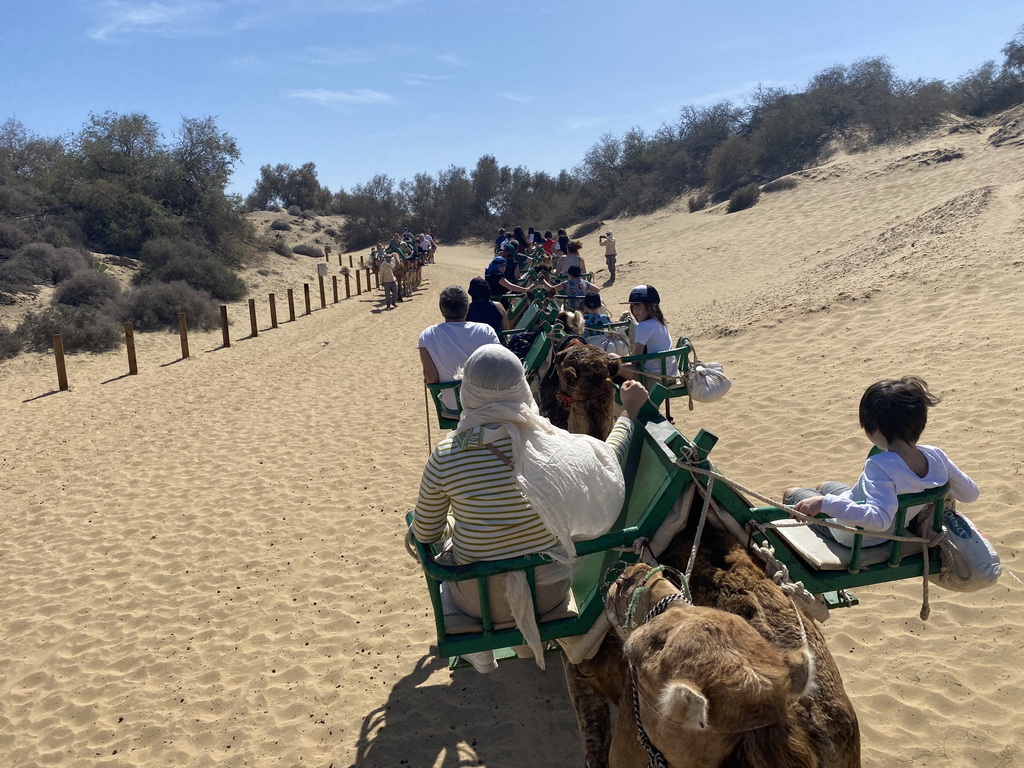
703,678
585,389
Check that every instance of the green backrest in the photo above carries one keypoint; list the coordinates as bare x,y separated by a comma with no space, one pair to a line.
446,418
675,387
653,483
897,566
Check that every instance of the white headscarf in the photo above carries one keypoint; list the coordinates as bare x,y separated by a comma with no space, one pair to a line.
573,482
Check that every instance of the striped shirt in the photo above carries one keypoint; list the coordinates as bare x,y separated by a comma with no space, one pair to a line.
493,520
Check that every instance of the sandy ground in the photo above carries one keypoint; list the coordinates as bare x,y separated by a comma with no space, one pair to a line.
203,564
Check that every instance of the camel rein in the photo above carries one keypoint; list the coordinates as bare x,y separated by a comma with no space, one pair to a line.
654,757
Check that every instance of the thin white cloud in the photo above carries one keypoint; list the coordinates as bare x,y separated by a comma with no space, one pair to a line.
419,80
453,59
341,98
516,97
332,57
119,18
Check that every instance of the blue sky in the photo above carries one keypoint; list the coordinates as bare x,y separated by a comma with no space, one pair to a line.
406,86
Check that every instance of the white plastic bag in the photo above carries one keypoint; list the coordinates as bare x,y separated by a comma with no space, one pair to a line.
969,562
707,382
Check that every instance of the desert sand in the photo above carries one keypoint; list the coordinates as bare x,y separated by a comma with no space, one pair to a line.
203,564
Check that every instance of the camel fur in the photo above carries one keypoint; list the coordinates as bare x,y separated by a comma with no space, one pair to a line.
705,681
816,730
578,394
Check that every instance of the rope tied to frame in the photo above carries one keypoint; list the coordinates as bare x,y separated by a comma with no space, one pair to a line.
780,575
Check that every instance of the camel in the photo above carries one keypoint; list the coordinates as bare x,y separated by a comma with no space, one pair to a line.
704,683
727,580
577,393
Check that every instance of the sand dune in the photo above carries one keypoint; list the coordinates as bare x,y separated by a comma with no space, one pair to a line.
203,564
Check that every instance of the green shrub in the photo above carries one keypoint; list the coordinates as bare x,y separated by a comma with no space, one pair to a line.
586,228
294,210
11,237
280,224
10,343
305,249
156,306
698,202
331,232
88,288
780,185
38,263
82,329
281,248
744,197
168,260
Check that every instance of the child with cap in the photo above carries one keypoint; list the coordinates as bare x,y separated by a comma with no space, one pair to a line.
652,334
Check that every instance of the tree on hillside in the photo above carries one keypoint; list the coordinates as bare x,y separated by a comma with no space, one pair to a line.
286,186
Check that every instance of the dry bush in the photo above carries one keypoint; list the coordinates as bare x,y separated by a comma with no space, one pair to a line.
780,185
156,306
743,198
698,202
82,329
90,288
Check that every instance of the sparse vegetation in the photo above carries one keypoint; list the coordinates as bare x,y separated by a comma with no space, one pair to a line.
307,249
156,306
780,185
280,225
169,260
82,329
10,343
698,202
745,197
88,288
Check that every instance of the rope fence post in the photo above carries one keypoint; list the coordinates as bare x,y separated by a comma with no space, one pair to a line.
350,259
348,287
376,279
253,328
291,305
305,291
339,260
334,284
58,356
129,343
323,294
368,281
359,287
224,325
273,311
183,333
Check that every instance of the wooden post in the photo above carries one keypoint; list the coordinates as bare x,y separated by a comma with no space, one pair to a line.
339,260
348,288
291,305
323,293
368,281
224,325
183,332
359,288
58,354
305,291
129,342
334,282
376,279
253,328
273,311
350,259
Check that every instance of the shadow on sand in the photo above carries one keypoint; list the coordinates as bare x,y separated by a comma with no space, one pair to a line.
516,716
